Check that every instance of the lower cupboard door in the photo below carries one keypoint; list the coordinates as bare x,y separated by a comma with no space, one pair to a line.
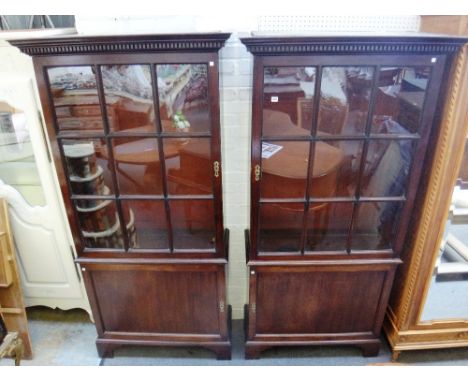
158,299
318,301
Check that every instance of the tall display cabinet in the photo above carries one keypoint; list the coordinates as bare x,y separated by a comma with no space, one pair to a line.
134,126
343,130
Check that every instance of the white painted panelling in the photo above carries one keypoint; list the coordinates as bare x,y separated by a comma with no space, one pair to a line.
351,23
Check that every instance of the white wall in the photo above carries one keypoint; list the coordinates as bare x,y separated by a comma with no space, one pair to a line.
236,98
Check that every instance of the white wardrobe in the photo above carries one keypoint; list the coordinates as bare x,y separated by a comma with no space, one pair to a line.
29,183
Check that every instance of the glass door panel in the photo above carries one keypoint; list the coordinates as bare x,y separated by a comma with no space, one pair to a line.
88,166
374,225
336,168
193,224
188,166
344,100
137,166
280,227
288,100
328,226
284,169
183,98
129,98
400,99
75,98
146,224
99,223
387,167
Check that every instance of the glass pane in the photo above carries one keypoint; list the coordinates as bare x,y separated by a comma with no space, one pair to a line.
183,98
328,226
387,167
284,169
448,290
193,224
146,223
188,166
17,162
336,168
288,100
137,166
374,225
87,164
400,98
344,100
129,97
75,98
99,223
280,227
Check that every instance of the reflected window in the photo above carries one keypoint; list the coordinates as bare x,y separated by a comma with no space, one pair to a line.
75,98
129,98
183,98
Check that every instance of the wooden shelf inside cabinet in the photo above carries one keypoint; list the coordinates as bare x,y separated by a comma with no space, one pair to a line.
136,130
341,127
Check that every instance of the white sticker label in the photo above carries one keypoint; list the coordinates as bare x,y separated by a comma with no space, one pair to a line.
274,99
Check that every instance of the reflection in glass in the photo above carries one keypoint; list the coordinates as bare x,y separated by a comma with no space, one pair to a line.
387,167
288,99
328,226
188,166
17,163
137,166
336,168
448,290
99,224
129,97
75,98
344,100
374,225
87,164
284,169
183,97
400,97
193,224
280,227
146,224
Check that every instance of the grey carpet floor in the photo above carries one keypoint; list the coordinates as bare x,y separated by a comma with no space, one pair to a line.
67,338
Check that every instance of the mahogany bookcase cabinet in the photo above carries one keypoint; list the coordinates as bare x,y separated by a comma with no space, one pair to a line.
342,132
134,128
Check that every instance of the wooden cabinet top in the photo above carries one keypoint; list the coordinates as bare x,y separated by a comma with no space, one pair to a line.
77,45
363,43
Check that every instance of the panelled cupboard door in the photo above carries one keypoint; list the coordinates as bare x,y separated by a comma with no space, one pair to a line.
135,135
342,128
